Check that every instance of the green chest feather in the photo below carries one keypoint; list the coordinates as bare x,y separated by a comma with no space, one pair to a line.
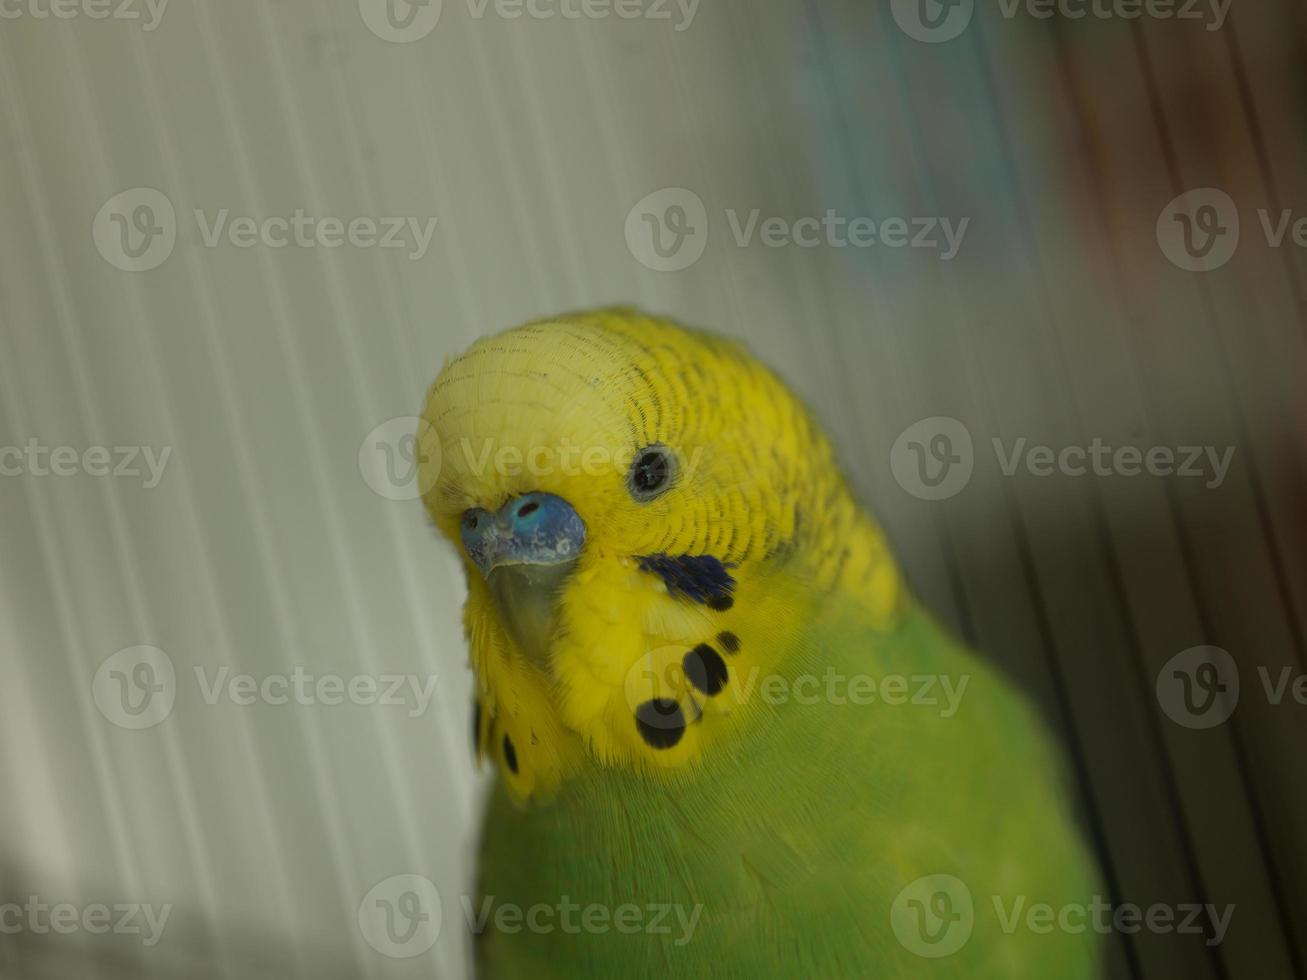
878,818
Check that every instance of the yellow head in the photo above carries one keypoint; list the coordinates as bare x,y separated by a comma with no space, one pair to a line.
643,511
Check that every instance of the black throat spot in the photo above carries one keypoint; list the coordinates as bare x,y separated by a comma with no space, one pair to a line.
700,578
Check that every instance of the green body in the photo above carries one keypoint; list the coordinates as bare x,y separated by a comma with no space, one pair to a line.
797,840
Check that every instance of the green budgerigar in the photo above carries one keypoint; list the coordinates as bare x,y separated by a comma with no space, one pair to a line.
729,742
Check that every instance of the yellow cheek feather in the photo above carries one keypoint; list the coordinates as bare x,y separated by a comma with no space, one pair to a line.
640,672
703,669
517,725
626,643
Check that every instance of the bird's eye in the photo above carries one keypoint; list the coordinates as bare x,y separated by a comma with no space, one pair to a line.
651,472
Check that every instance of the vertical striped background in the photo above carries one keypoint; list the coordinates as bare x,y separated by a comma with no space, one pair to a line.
263,548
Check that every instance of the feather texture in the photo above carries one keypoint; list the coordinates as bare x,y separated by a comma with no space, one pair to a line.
728,718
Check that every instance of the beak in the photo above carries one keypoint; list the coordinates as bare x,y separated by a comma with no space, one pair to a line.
525,552
534,529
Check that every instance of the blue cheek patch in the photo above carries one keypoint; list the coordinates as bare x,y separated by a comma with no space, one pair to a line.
699,578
